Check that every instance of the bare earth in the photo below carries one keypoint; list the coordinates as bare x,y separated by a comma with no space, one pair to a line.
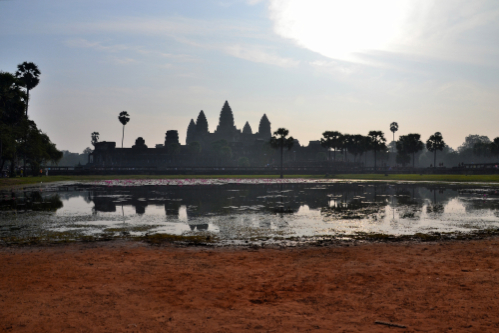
132,287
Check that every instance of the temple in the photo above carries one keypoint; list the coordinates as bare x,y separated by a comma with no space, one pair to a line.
197,131
225,146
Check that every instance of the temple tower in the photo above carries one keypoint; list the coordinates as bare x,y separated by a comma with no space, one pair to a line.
191,132
247,129
226,121
264,131
171,138
201,125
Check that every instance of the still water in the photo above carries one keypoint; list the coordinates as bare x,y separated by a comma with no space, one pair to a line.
237,213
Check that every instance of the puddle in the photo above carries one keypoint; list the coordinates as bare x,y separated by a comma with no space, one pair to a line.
237,212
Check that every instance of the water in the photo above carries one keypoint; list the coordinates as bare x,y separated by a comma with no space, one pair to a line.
235,212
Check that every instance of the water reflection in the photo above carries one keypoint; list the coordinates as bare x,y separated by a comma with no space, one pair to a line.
248,211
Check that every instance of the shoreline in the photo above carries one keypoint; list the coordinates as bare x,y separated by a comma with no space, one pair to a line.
8,183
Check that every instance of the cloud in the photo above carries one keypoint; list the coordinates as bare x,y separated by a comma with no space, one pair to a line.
83,43
335,67
260,55
122,61
457,30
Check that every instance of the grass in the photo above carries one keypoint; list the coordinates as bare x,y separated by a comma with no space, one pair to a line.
6,183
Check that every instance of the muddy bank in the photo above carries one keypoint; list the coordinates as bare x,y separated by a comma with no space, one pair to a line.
133,287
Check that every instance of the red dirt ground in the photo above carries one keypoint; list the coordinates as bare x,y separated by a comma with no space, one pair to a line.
133,287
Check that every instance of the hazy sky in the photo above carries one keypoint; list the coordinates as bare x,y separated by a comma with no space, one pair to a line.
351,66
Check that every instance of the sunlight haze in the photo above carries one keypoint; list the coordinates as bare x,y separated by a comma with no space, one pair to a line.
311,66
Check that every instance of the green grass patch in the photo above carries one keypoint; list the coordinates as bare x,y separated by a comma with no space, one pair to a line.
6,183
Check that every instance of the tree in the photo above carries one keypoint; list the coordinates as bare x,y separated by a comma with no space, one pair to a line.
28,74
394,127
12,118
410,144
95,138
346,143
280,141
402,158
331,140
434,143
87,151
471,140
39,149
195,147
124,119
482,149
494,147
356,145
377,142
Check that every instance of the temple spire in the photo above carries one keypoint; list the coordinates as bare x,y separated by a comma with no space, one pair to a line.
264,128
201,124
226,120
191,132
247,129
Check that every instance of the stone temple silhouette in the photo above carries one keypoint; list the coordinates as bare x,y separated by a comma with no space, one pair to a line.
226,146
226,130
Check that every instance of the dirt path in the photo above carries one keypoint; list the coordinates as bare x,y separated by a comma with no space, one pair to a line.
131,287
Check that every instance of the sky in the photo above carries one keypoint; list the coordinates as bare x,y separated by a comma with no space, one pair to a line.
311,66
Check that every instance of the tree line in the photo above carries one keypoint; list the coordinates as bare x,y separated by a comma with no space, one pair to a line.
408,148
21,141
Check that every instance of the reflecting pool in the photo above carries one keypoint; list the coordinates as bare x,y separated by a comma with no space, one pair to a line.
233,212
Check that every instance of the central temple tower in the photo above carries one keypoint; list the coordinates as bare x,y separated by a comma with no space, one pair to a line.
226,128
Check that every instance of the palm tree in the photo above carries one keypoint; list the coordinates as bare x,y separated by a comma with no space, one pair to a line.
394,127
377,142
331,140
279,141
410,144
434,143
356,145
124,118
28,74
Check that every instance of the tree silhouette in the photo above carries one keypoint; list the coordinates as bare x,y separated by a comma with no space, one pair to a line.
28,74
434,143
409,144
331,140
346,144
494,146
124,118
279,141
356,145
95,138
377,142
394,127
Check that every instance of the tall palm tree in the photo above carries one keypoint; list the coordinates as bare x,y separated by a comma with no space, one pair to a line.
434,143
394,127
124,118
28,74
280,141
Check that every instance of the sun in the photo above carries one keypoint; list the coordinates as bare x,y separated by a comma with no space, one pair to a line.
341,29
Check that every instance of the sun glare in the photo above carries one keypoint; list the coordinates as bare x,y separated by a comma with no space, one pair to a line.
341,29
